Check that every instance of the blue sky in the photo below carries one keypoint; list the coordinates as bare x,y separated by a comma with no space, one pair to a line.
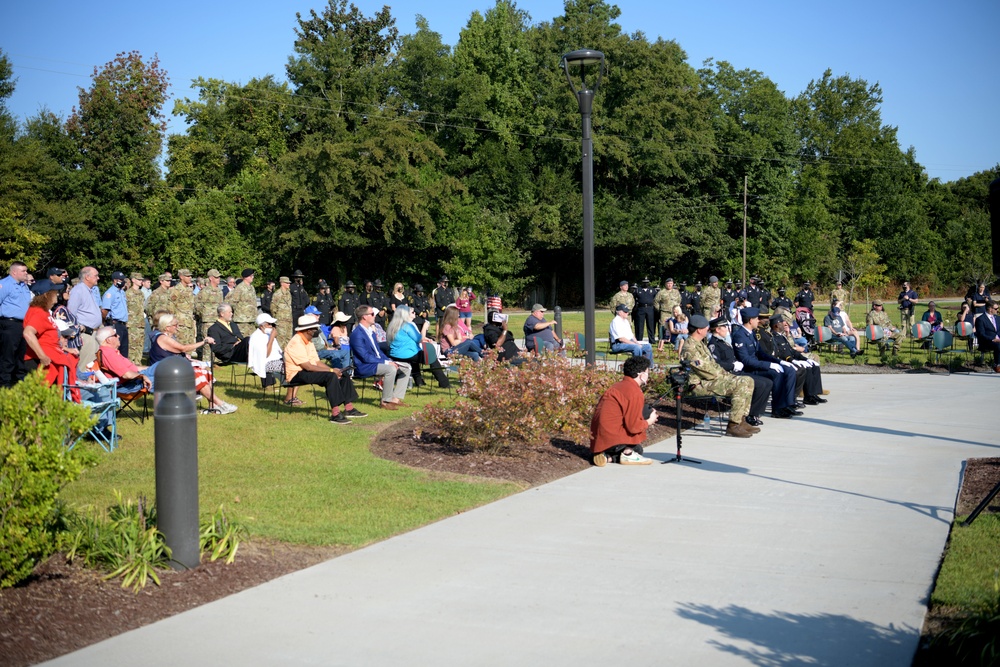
935,61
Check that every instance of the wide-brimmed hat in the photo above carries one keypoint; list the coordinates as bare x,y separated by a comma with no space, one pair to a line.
341,317
298,274
308,322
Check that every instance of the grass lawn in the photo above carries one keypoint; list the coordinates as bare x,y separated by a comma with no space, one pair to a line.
970,574
297,479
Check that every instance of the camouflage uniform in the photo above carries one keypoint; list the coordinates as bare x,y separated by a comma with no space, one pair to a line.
839,294
243,299
281,310
182,304
665,301
881,318
708,378
710,298
136,321
622,297
206,307
158,300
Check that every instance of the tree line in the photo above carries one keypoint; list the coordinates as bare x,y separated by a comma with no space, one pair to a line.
401,157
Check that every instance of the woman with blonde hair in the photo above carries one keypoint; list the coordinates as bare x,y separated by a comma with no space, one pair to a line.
164,345
397,298
455,338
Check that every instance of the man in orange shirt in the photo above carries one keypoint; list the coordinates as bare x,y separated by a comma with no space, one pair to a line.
620,420
302,366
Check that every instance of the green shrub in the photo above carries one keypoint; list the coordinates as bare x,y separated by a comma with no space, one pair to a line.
35,424
126,542
503,406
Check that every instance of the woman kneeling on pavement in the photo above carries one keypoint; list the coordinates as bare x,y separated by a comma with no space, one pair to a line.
620,420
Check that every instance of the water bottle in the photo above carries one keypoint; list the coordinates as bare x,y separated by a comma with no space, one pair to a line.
706,421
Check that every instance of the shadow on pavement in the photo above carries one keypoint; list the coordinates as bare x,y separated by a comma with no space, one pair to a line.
782,639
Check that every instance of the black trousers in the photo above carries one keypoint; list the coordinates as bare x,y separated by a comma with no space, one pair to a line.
990,346
783,387
121,328
645,316
437,370
813,385
762,387
12,348
338,390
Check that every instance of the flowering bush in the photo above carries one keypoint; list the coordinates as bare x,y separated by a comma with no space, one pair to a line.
502,407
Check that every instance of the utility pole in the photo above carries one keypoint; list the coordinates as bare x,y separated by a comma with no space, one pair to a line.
744,279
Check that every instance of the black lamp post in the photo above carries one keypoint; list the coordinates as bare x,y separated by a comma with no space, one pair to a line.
583,59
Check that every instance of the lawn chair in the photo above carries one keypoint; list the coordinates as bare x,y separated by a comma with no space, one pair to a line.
128,398
876,334
102,399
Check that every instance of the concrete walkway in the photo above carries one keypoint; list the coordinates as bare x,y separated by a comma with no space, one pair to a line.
813,543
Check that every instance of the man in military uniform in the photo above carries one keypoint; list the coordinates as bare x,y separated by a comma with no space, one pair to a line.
707,378
206,302
300,297
781,301
720,345
441,297
243,299
420,306
324,303
644,315
753,292
136,319
348,303
685,299
838,294
281,310
182,305
711,297
755,360
907,299
809,380
159,299
879,317
695,299
728,296
666,299
266,296
805,297
379,303
622,297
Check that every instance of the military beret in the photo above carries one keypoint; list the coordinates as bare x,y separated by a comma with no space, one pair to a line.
247,273
713,279
748,314
698,321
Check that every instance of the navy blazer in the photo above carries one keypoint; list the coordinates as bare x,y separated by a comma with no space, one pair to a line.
984,328
749,352
367,356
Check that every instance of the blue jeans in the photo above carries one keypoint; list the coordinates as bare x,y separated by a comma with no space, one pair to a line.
338,358
468,348
640,350
135,384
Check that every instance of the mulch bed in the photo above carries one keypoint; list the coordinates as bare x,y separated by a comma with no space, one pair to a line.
61,607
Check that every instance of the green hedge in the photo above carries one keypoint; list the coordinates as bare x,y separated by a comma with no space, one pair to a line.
35,424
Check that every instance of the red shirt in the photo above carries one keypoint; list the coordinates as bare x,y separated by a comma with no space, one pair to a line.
114,363
46,332
618,417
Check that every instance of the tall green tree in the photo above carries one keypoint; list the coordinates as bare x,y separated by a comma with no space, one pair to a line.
118,128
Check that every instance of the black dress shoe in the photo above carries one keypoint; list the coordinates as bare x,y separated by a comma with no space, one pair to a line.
800,404
814,400
794,412
753,421
782,414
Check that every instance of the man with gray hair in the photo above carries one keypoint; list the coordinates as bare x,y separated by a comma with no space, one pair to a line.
230,346
113,363
85,306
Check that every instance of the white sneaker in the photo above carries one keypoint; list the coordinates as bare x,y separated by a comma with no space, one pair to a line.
226,408
634,459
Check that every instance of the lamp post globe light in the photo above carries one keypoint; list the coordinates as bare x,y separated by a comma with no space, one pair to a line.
583,60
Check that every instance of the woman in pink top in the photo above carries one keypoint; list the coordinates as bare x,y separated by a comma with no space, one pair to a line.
464,303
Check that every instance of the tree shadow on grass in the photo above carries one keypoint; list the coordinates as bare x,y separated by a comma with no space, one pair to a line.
782,639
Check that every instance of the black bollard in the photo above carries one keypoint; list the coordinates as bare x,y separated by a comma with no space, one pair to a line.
557,316
176,430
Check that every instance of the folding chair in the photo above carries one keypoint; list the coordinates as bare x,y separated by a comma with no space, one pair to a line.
942,344
429,355
127,398
102,399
